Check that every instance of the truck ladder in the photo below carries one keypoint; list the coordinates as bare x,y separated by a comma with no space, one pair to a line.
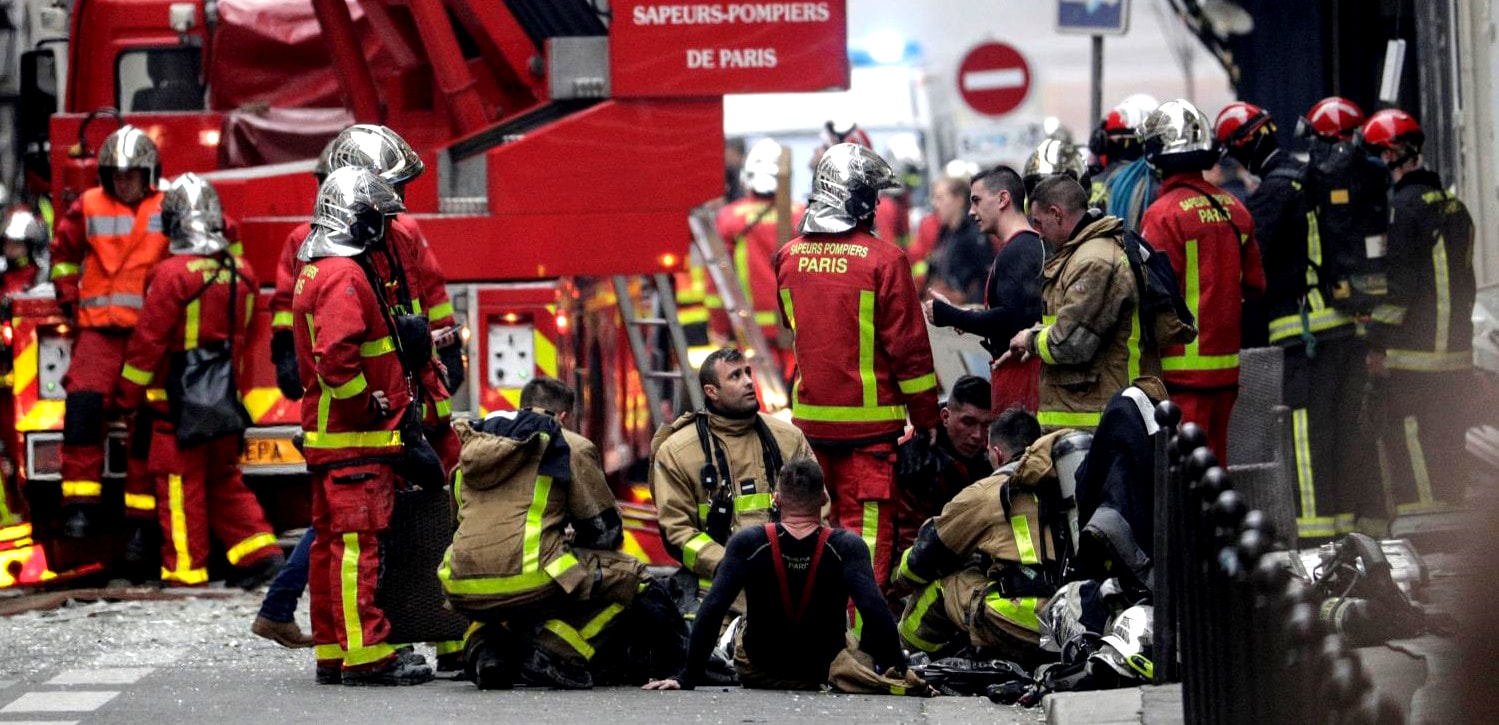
720,267
663,315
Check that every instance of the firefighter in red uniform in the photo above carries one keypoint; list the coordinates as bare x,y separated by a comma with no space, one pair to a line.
197,301
748,226
25,240
863,356
356,394
106,243
1209,237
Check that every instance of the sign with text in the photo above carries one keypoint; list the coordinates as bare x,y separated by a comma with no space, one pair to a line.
714,48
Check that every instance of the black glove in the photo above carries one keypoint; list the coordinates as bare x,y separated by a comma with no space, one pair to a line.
284,355
452,359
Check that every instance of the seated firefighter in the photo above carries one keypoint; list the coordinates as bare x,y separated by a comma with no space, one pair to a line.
928,476
543,606
715,470
985,567
798,576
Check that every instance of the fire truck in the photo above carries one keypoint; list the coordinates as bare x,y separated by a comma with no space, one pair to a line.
570,152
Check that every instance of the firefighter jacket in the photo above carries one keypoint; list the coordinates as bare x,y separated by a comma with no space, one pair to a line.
516,494
101,255
187,306
1285,223
346,354
1425,324
677,480
862,351
1209,237
748,229
938,476
1089,338
19,276
1008,521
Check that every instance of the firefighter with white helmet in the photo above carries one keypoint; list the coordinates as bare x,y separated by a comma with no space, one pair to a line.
1129,190
106,243
863,357
1054,157
25,239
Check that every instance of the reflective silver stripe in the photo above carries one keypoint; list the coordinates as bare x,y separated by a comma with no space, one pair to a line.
131,301
108,226
154,223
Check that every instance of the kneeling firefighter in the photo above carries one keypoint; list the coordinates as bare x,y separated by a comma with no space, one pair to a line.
543,608
988,563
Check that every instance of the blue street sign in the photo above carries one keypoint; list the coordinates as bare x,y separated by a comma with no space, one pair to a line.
1093,17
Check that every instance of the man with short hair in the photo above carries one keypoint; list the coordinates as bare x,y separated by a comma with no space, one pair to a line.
956,255
797,576
1089,339
1013,293
715,469
930,476
1010,434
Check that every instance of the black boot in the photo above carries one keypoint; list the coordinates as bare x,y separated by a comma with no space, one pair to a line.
545,669
490,672
396,670
332,675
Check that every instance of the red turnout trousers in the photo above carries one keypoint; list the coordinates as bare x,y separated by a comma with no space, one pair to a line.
98,355
351,507
201,492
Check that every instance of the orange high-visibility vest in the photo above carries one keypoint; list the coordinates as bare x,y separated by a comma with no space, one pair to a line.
124,244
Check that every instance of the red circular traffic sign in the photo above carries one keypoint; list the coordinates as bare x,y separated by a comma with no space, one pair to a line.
994,79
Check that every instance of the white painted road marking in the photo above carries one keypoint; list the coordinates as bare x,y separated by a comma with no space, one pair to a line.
103,676
59,702
41,722
994,80
145,657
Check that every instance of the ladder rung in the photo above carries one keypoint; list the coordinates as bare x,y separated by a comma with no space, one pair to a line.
665,375
650,321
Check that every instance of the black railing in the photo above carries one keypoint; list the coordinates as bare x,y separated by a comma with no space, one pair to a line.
1250,645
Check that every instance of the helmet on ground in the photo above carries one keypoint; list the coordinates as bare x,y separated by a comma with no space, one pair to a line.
324,165
1332,119
1178,136
192,216
1128,648
1054,157
1238,123
23,225
761,166
846,188
352,212
128,149
1392,130
378,149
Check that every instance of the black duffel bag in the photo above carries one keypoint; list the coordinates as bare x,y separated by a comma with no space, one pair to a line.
202,393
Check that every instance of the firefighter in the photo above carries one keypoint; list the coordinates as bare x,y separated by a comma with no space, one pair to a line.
1054,157
863,356
1209,238
1130,189
1350,193
1115,145
543,606
105,245
1090,338
354,408
196,303
25,240
748,228
1420,337
715,469
930,476
1013,521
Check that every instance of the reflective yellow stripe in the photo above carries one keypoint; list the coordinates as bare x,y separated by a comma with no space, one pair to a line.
693,548
1422,361
1316,526
918,385
448,648
1418,460
1200,362
80,489
349,594
1388,314
185,576
741,266
847,414
416,306
368,655
1190,359
177,508
713,302
905,569
135,374
1020,611
702,512
458,487
444,408
65,269
767,318
501,585
190,329
1048,319
911,624
140,501
1282,328
365,439
569,635
282,319
869,529
866,348
1022,530
789,307
600,621
255,543
324,652
156,395
1444,293
531,546
1063,419
1301,438
1133,344
752,503
347,390
440,310
1194,292
376,348
692,315
1043,346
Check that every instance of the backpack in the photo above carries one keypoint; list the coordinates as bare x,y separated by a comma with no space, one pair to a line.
1165,319
1350,194
202,393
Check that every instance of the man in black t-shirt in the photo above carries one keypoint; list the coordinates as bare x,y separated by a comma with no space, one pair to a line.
798,576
